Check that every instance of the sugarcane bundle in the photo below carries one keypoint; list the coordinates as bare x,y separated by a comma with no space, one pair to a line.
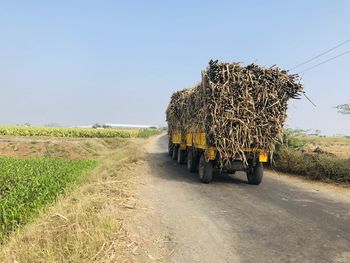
238,107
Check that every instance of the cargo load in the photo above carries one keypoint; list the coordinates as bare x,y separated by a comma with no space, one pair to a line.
238,109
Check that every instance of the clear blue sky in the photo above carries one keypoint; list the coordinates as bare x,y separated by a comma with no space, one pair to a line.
81,62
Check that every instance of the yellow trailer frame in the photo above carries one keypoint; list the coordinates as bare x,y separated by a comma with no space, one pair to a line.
198,140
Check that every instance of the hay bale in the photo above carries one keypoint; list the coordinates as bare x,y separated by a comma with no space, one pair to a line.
237,107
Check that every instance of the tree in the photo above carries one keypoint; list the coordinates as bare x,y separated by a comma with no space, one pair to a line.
317,132
343,108
96,125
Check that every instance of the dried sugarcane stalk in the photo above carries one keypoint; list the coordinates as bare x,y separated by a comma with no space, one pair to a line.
237,107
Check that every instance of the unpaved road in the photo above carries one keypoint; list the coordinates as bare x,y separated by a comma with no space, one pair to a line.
180,219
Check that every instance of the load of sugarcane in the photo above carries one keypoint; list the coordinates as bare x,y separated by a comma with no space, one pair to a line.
238,107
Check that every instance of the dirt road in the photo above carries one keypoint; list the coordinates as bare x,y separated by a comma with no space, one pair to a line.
282,220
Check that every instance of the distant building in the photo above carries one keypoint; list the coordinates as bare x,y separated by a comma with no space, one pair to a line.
114,125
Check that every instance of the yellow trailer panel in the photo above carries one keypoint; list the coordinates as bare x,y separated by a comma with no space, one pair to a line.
176,137
263,156
189,139
198,140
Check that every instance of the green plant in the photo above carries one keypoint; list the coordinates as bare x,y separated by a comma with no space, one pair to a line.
291,139
27,185
76,132
145,133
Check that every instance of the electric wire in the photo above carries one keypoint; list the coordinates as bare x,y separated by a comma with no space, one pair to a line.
323,62
319,55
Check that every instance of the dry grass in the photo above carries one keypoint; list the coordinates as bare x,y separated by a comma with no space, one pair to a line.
86,225
314,157
316,166
69,148
336,145
340,146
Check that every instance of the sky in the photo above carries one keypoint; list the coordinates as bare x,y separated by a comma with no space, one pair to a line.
82,62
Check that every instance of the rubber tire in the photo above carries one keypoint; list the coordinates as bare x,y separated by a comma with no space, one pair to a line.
255,174
175,149
206,170
170,148
192,161
181,156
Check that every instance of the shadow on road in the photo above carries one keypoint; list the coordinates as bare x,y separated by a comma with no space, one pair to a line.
163,166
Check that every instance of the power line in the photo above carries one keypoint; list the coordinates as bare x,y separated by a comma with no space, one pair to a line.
319,55
323,62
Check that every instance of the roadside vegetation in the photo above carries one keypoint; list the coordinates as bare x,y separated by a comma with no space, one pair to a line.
76,132
86,223
28,185
313,156
65,199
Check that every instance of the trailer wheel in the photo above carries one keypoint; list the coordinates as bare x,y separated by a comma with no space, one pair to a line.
175,150
181,156
170,148
206,170
192,161
255,174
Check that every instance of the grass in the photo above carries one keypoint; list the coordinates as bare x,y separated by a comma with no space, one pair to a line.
87,224
323,140
314,157
315,166
146,133
338,145
77,132
28,185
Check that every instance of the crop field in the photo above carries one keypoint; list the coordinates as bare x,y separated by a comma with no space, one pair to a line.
37,164
76,132
27,185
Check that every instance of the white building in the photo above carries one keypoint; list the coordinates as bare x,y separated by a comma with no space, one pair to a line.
114,125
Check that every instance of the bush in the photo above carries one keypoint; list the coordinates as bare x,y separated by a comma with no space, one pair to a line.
292,139
317,166
290,156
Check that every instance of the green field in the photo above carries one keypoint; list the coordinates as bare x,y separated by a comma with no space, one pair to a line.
27,185
76,132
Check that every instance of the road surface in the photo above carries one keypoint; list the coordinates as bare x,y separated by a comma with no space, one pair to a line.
281,220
